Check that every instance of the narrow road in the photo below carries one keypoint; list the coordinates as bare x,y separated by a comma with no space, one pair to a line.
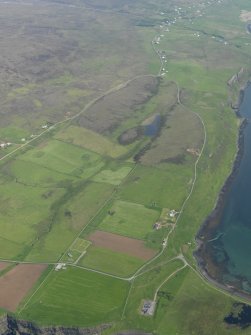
166,280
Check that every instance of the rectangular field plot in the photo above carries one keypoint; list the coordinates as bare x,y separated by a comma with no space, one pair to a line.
16,283
106,260
23,210
72,216
36,175
77,297
129,219
121,244
10,248
80,245
113,177
167,187
65,158
4,265
91,140
77,251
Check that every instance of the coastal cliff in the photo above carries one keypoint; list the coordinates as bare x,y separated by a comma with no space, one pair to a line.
11,326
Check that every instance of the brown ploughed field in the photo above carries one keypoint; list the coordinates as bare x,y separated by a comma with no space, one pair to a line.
16,283
3,265
120,243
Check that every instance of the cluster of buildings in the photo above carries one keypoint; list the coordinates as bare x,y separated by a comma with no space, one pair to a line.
60,266
5,145
148,307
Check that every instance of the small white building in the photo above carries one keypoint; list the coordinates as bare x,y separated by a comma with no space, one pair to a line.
172,213
60,266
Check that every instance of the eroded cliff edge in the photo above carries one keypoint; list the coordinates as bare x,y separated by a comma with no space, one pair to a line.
11,326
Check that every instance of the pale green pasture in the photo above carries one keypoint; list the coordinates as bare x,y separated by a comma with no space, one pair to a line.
65,158
76,297
129,219
72,214
23,209
113,177
165,187
91,141
109,261
34,174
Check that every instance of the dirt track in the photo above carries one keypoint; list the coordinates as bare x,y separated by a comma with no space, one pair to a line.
16,283
122,244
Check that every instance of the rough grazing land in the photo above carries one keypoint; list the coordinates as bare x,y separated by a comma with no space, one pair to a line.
110,111
15,284
123,244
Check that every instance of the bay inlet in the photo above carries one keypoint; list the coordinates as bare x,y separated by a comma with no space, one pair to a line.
224,252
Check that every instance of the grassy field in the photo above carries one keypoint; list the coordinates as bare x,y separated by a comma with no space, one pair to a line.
71,214
91,141
200,303
16,215
82,297
144,287
33,174
113,177
65,158
109,261
165,187
129,219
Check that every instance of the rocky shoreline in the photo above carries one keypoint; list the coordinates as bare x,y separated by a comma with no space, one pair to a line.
213,219
9,325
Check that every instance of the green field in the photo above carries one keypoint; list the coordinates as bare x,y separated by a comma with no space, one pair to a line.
65,158
165,187
16,215
72,214
13,134
91,141
82,297
113,177
109,261
34,174
129,219
201,304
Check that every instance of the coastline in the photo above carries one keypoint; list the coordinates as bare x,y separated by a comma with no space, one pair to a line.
213,219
